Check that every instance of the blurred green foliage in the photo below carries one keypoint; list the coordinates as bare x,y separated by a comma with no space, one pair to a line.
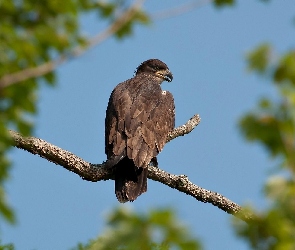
158,229
285,71
33,33
220,3
272,124
258,59
224,3
7,247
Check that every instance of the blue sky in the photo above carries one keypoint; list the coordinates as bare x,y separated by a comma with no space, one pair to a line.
205,50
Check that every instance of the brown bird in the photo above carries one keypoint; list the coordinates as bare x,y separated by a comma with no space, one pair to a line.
139,117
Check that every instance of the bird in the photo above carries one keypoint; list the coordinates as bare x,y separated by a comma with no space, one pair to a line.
139,117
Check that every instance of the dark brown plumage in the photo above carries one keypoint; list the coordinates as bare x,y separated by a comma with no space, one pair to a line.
138,118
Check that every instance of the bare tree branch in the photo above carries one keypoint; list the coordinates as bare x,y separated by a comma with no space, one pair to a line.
182,184
125,17
47,67
98,172
66,159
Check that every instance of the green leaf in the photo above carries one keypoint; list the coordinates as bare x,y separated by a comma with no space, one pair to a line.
258,60
50,78
127,28
106,9
265,129
5,210
265,104
285,70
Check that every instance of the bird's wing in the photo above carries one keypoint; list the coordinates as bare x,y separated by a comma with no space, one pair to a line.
117,112
164,119
138,121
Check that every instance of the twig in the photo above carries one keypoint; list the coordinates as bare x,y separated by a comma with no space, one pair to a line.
98,172
47,67
179,10
184,129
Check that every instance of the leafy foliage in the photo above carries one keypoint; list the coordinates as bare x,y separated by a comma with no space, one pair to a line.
272,124
6,247
33,33
159,229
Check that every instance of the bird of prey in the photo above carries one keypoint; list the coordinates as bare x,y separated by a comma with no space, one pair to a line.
138,119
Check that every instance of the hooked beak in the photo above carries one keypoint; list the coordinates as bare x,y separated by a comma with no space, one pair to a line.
168,76
165,74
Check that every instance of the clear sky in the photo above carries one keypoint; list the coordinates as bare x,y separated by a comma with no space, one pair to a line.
205,50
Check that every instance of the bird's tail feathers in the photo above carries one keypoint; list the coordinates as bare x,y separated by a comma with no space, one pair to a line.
130,181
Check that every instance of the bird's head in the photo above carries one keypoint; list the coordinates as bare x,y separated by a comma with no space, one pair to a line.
156,68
